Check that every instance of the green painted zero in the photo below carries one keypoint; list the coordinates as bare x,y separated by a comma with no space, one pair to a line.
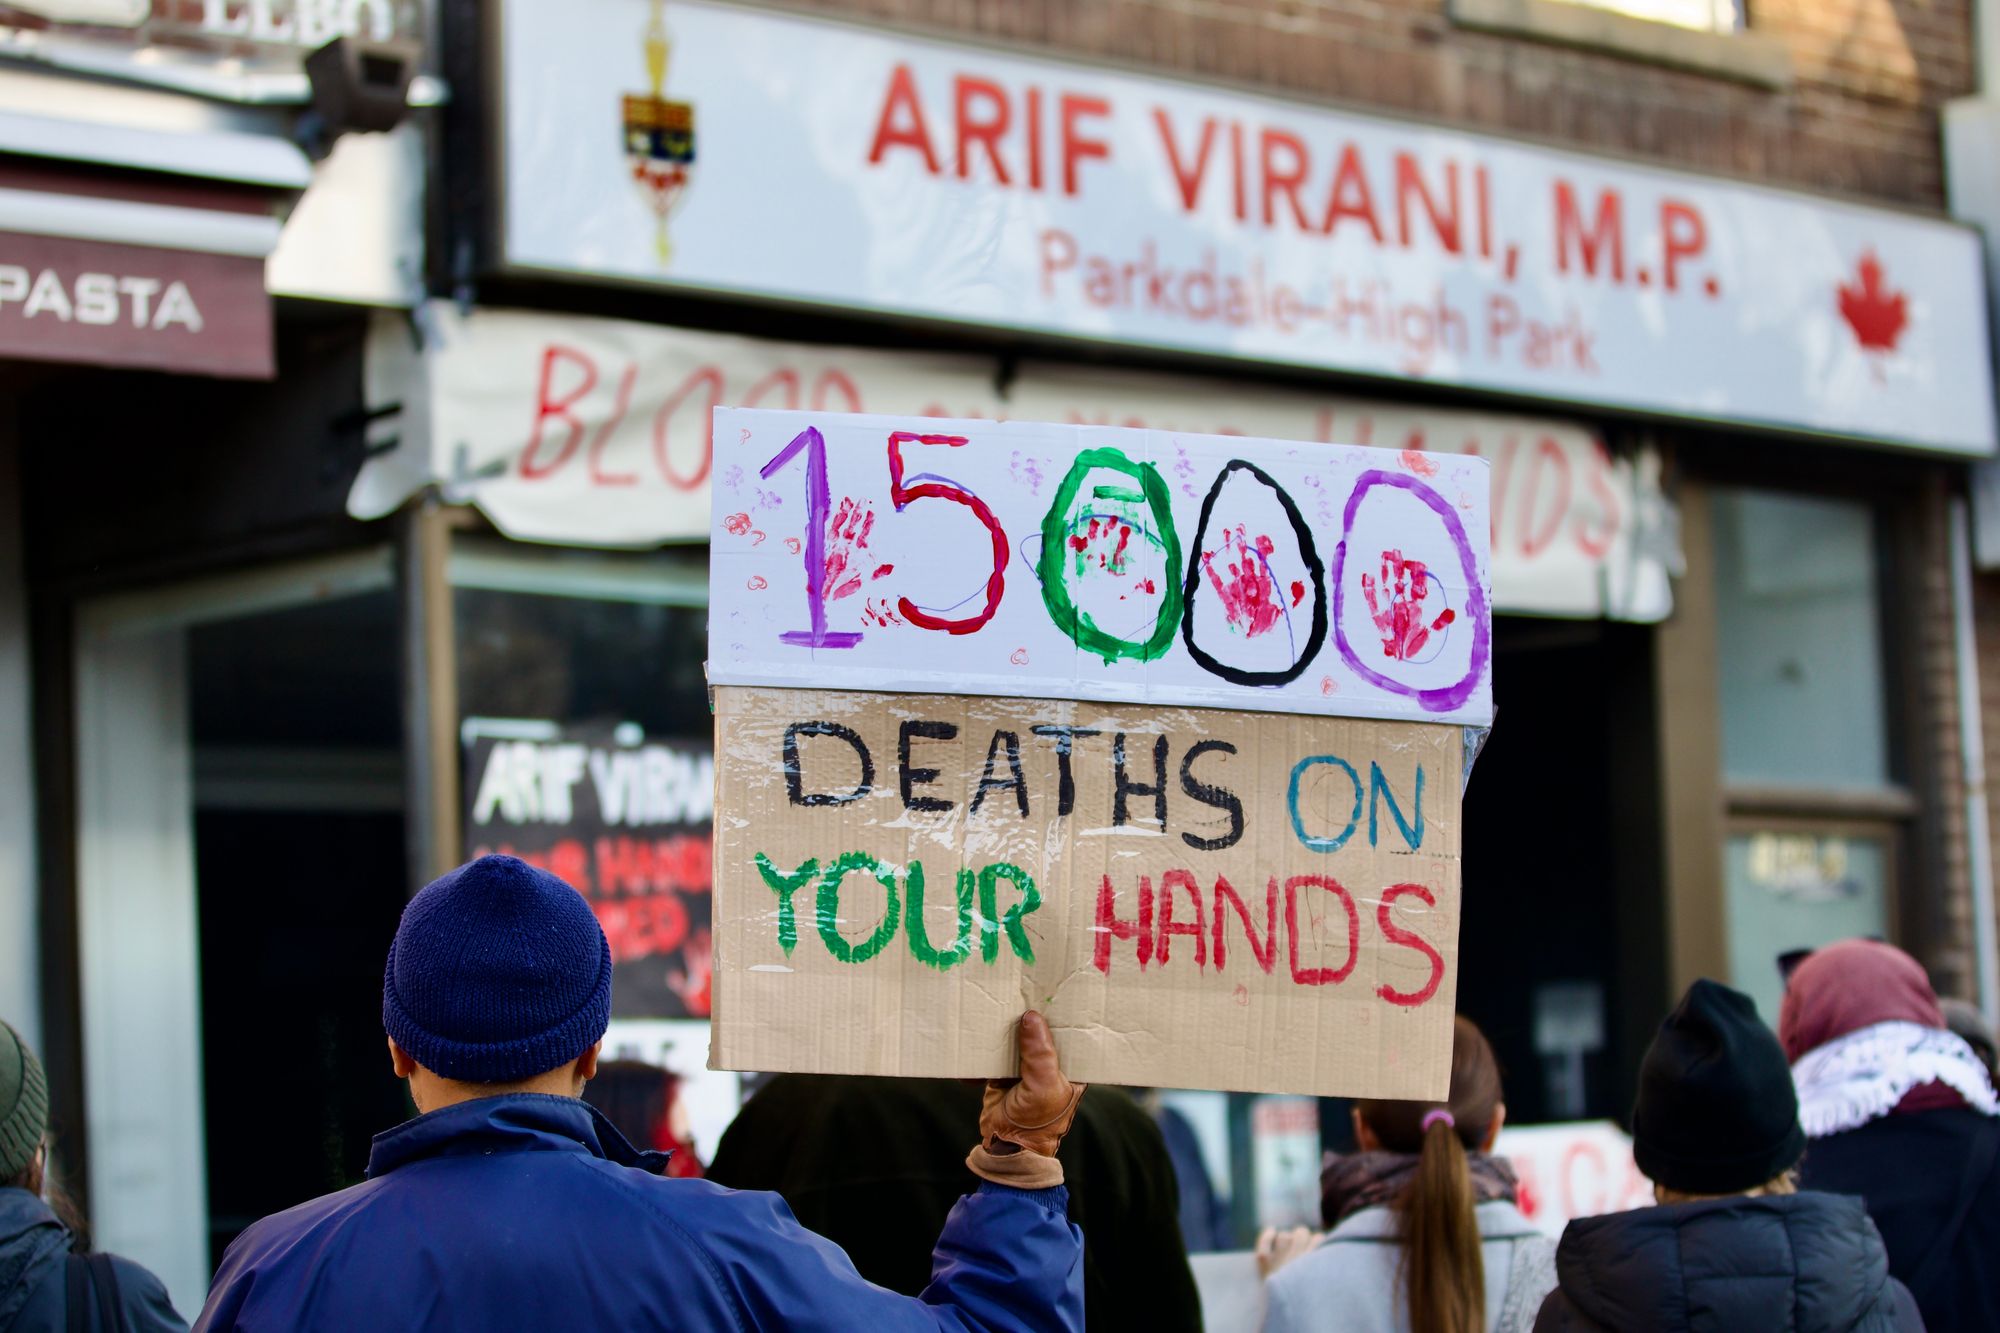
1056,567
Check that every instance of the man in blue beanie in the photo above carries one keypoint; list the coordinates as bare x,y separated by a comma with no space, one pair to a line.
510,1204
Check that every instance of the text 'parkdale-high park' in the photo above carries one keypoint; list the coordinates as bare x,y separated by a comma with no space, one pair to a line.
1329,803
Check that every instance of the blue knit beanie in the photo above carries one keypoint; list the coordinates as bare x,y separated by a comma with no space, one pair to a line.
498,972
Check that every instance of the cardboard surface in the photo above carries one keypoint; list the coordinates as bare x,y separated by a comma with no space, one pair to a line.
1338,837
1099,562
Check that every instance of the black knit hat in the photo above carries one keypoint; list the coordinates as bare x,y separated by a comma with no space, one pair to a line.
1717,1112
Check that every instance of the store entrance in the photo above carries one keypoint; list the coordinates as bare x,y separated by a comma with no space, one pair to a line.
1562,941
295,723
240,869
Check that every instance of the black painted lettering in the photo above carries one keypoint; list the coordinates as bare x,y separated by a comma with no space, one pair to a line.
795,783
1017,780
1065,779
1220,797
1123,787
921,777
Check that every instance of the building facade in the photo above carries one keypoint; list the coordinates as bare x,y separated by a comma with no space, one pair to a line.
1684,275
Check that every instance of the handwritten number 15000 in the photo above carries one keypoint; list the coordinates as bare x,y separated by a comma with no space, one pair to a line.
1055,571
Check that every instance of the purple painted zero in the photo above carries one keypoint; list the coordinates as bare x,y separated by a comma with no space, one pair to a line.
1442,699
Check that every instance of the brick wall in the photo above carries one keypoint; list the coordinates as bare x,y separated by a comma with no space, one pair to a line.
1860,118
1950,955
1986,627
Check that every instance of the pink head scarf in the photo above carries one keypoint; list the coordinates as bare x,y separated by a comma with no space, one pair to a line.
1852,985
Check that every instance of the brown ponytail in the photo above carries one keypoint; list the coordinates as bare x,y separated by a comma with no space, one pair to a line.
1443,1270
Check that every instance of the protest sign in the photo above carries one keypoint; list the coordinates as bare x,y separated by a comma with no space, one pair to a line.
1086,562
625,820
1195,898
1194,797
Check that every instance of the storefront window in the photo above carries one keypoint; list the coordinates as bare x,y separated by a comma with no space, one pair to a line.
1800,635
585,747
1794,887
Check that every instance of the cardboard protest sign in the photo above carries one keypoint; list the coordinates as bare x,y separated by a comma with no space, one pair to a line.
624,819
1161,734
1195,898
1081,562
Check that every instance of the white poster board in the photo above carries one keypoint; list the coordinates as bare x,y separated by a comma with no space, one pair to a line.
1099,563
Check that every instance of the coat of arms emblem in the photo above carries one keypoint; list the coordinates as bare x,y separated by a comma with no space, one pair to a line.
659,135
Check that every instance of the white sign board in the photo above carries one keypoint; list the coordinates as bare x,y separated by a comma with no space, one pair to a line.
595,432
1578,1169
768,155
1099,563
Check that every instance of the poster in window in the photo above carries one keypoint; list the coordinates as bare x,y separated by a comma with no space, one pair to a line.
624,819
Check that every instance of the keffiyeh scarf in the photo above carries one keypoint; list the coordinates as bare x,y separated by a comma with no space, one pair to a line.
1865,1074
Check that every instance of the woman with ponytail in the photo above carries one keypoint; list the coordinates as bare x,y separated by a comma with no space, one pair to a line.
1426,1237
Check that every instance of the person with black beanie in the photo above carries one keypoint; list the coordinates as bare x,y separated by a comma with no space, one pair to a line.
1732,1243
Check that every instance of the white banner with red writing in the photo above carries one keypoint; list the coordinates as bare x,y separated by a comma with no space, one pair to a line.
778,156
594,432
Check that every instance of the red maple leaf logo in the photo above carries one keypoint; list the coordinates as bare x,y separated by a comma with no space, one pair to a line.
1877,314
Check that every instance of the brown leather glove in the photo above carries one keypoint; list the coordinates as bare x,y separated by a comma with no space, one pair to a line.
1024,1119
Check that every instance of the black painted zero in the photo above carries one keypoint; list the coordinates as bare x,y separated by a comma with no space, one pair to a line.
1315,569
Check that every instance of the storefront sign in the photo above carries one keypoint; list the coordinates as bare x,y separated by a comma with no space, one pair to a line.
126,305
301,23
623,819
1098,562
777,156
595,432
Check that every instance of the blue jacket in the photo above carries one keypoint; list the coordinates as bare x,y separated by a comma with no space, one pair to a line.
34,1291
532,1212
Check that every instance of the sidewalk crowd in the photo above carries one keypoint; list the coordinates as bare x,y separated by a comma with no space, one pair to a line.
1839,1174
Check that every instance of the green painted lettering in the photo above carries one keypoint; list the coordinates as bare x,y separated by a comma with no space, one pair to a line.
785,886
913,917
1031,899
828,904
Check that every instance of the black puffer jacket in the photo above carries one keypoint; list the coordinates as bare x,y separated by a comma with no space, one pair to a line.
1799,1263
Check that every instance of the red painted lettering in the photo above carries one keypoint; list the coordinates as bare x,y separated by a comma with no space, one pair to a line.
1282,179
1236,168
836,382
1410,185
598,475
1268,953
1109,926
1395,934
662,419
1683,235
1169,927
1320,976
1605,239
902,98
1034,138
784,377
1189,179
547,405
1058,254
1598,544
1533,543
1350,196
1075,147
973,128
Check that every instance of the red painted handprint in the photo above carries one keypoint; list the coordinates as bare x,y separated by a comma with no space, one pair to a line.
847,550
1399,612
1251,602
